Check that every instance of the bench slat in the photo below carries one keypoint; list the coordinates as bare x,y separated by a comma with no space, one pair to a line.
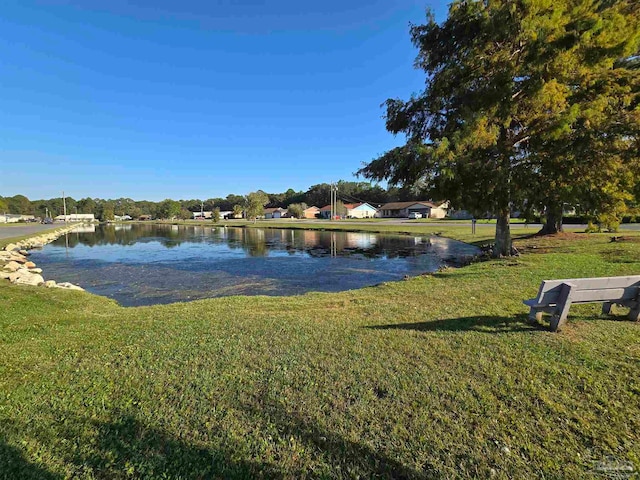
594,283
611,295
550,289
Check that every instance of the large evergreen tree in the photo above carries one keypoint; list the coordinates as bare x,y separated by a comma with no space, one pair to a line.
507,82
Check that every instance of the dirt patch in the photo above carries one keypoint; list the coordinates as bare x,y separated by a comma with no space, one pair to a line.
625,239
547,243
564,236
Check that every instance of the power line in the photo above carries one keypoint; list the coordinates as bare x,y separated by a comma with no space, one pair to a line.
345,195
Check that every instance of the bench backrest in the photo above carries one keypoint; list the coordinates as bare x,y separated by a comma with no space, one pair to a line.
591,289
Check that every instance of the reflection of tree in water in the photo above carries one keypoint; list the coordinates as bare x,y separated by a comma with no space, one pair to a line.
169,235
254,242
320,244
258,242
316,243
107,235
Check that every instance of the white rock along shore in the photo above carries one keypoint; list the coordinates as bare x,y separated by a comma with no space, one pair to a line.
16,267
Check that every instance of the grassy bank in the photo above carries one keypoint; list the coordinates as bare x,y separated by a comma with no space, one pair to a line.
435,377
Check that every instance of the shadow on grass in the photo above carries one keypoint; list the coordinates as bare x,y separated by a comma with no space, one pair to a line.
485,324
351,459
127,448
14,465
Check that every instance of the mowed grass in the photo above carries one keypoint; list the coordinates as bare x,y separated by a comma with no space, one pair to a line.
438,376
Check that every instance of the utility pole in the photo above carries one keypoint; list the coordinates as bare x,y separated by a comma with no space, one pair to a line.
64,206
331,201
334,200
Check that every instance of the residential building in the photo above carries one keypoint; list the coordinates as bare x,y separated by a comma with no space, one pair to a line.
360,210
16,217
325,212
353,210
76,217
311,212
427,209
202,215
274,212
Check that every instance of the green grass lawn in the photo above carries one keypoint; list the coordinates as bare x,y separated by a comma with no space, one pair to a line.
438,376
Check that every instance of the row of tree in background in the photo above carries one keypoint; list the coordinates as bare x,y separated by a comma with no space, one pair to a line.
252,204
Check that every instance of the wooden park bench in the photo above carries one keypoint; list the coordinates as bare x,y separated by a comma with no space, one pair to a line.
557,296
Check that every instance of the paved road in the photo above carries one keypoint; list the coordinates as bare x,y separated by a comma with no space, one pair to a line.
630,226
10,231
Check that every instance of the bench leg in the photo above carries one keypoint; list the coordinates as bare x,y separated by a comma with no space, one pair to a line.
634,314
606,308
562,309
535,315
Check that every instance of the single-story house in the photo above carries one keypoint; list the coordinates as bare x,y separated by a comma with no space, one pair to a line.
311,212
360,210
202,215
325,212
274,212
144,218
354,210
121,218
427,209
76,217
16,217
229,215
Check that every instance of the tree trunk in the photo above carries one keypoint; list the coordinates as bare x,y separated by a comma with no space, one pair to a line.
554,220
503,235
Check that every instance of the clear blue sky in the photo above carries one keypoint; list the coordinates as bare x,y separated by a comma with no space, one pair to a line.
152,99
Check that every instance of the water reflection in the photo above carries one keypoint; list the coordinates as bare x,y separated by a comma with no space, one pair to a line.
145,264
258,242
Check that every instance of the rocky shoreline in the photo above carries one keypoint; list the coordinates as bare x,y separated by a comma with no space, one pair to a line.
16,267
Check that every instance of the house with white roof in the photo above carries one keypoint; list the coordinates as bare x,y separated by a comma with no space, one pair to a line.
76,217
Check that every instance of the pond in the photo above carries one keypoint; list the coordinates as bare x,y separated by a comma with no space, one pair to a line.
148,264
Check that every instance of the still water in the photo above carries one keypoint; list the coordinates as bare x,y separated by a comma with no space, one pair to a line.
149,264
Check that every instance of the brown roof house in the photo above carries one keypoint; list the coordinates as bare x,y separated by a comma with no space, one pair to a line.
427,209
311,212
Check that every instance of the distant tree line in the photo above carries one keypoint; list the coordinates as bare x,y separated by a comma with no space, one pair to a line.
106,209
